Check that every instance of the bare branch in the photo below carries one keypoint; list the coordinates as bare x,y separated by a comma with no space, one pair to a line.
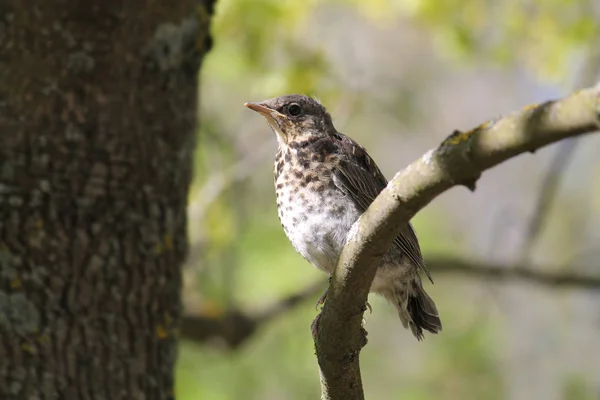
231,329
235,327
459,160
291,301
499,272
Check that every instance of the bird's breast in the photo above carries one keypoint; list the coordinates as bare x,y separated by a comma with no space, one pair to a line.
314,213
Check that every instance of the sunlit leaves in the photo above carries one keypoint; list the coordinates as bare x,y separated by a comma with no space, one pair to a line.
543,35
260,41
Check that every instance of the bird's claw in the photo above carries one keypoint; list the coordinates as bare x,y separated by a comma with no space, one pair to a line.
321,300
323,297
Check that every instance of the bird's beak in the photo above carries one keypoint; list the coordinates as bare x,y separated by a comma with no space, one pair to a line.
274,118
259,108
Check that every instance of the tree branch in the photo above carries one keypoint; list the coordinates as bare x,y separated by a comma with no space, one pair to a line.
459,160
234,327
238,325
500,272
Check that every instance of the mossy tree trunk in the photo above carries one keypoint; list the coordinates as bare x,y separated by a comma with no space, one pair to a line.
97,116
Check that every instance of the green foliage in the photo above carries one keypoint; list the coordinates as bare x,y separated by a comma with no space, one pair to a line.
434,235
259,42
546,34
270,268
576,388
467,367
279,358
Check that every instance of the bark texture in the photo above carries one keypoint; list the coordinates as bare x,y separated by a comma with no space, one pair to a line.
97,116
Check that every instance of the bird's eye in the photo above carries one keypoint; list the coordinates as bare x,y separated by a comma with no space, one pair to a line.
294,110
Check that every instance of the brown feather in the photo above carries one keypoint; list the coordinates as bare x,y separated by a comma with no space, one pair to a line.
362,180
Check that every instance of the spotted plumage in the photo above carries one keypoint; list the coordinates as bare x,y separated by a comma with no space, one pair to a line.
324,181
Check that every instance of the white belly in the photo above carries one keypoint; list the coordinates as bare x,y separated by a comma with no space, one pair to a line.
316,227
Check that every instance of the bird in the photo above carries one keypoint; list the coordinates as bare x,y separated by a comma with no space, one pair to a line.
324,181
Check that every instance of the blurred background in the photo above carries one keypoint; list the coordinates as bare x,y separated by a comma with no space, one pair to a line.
399,76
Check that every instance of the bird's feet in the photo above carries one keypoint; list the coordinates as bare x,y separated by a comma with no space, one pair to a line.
322,299
314,326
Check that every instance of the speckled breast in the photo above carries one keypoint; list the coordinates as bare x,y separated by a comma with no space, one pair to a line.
314,213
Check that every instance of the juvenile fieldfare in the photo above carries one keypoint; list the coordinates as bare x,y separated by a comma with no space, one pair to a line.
324,181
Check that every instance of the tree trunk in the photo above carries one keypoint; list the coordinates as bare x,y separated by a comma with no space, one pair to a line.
97,116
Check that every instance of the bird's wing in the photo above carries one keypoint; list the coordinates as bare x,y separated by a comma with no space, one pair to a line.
361,180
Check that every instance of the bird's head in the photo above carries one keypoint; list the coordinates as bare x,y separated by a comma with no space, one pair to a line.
295,117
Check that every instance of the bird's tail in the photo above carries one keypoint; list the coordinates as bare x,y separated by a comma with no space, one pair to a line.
416,309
